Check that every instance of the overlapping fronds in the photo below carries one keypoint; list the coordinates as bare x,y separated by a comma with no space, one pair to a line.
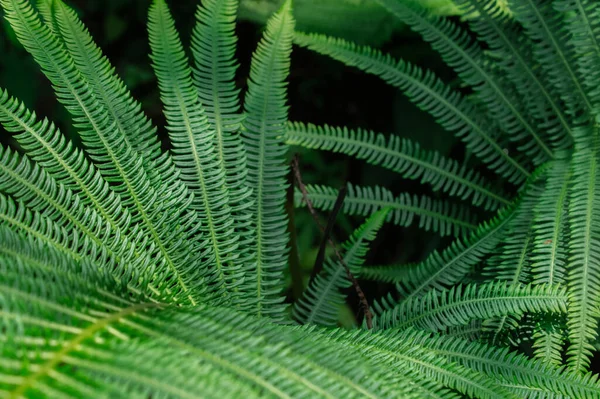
263,135
324,296
110,92
434,215
62,160
163,217
524,377
402,156
459,305
441,270
511,259
510,51
467,58
551,48
193,146
124,346
448,107
213,48
582,20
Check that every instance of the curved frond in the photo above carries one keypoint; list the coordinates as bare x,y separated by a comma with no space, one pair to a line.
543,25
510,51
62,160
401,156
438,310
441,270
263,136
429,93
122,345
322,299
163,217
434,215
467,58
110,92
193,147
583,275
507,366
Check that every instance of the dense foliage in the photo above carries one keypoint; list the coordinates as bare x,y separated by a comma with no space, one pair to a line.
132,271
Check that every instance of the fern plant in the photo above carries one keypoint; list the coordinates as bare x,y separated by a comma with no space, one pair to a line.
531,117
129,271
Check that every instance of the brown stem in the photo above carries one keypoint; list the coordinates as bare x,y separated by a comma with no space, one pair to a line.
327,236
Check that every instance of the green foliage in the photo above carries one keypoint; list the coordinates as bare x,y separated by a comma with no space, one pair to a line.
131,271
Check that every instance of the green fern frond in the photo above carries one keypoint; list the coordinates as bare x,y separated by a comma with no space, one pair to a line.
165,221
322,299
263,136
448,107
213,48
193,146
438,310
112,94
441,270
468,60
121,345
507,366
582,19
543,26
62,160
438,216
511,259
583,274
425,368
400,155
510,51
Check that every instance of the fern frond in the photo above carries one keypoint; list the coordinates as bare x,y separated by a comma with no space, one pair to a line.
62,160
583,274
511,259
510,51
441,270
166,222
401,156
322,299
120,344
428,92
543,25
213,48
423,366
112,94
440,217
263,136
468,60
508,366
582,19
459,305
193,146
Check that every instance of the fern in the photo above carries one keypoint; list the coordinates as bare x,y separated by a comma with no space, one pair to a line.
129,271
448,107
193,142
434,215
321,300
438,310
262,134
401,156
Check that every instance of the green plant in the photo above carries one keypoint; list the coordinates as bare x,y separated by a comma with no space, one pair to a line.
531,117
129,271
